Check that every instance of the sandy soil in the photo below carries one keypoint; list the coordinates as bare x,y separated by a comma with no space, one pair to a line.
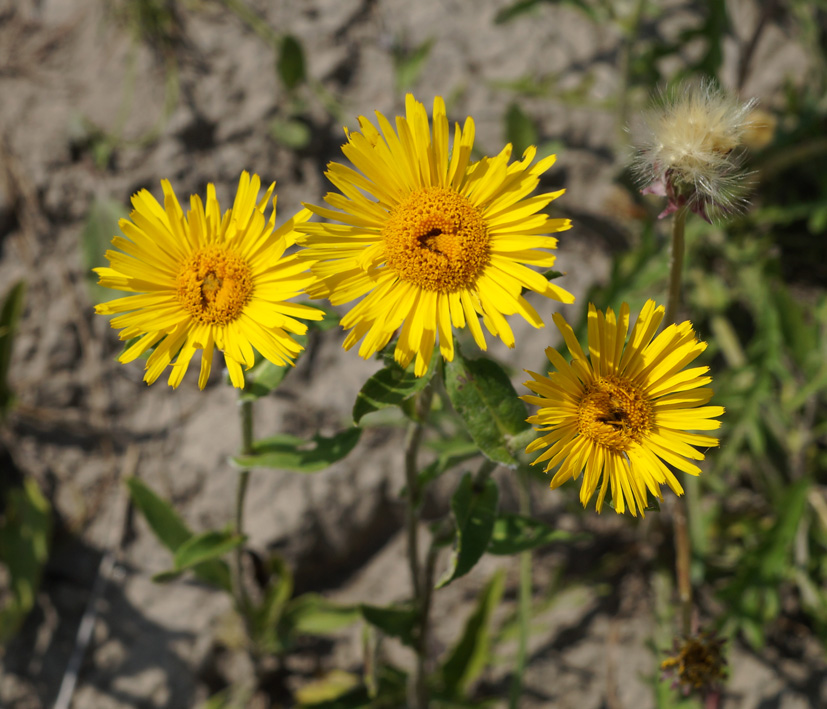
84,422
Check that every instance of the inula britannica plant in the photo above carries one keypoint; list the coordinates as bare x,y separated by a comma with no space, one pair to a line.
420,241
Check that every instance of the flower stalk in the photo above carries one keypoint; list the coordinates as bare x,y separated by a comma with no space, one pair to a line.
421,579
523,600
241,594
683,544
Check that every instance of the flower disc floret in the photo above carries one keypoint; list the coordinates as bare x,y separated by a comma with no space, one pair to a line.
614,413
437,240
214,285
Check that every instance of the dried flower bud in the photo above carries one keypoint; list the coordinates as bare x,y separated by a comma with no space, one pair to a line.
697,664
689,149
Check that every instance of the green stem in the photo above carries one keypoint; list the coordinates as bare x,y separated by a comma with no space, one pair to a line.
523,601
420,583
242,597
683,544
676,266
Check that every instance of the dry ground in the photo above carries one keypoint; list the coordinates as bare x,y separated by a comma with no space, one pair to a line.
84,422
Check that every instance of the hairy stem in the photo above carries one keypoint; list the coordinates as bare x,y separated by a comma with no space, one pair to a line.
420,582
676,266
683,546
242,597
523,601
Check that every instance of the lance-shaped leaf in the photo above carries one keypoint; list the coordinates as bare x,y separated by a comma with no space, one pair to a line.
205,547
173,533
25,530
290,64
469,657
202,551
515,533
390,386
285,452
482,394
396,621
312,614
475,509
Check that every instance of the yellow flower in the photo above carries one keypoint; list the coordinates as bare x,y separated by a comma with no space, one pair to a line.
207,281
431,240
626,413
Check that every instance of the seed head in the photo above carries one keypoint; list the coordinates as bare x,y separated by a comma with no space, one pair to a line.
690,147
697,664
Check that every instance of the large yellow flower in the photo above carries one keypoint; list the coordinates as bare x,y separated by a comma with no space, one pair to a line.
626,413
430,239
207,281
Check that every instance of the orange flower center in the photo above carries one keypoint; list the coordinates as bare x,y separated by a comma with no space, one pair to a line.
614,413
437,240
214,285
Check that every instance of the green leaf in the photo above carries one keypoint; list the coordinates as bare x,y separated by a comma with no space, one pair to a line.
207,546
265,376
162,518
391,692
483,396
285,452
470,655
291,66
25,531
9,318
270,615
522,6
291,132
515,533
397,621
96,237
520,130
408,64
475,510
173,533
312,614
331,686
390,386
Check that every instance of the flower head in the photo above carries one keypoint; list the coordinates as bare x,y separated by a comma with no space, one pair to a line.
689,150
626,412
698,663
429,240
205,281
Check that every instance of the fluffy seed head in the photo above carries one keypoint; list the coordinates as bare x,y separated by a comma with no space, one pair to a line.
690,146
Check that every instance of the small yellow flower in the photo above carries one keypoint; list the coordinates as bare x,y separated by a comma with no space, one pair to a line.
626,413
429,240
205,281
689,149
